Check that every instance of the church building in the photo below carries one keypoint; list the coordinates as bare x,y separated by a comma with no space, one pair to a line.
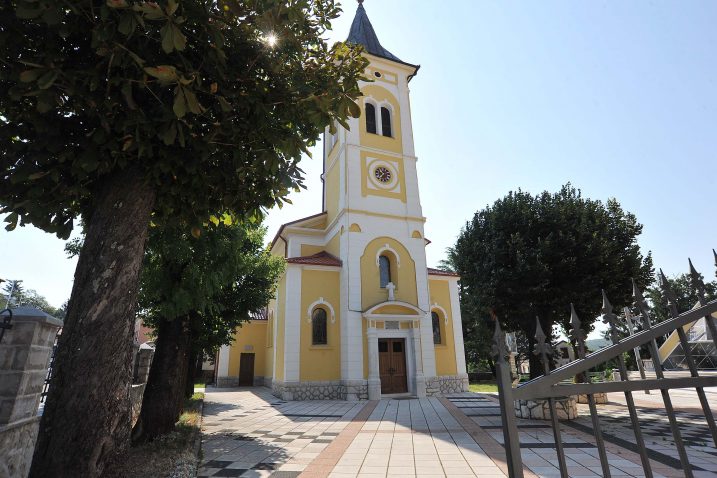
358,314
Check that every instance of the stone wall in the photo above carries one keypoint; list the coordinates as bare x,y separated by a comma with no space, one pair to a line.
25,353
446,385
330,390
566,408
136,394
17,444
143,362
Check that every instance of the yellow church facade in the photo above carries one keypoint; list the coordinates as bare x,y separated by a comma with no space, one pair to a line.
358,314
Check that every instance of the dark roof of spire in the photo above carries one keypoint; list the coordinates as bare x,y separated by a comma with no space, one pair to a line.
362,34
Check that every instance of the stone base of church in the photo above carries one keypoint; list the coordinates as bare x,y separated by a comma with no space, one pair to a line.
446,384
329,390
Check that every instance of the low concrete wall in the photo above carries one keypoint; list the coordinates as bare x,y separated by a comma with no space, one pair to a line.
136,394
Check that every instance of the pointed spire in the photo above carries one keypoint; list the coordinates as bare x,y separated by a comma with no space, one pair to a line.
715,254
641,305
362,33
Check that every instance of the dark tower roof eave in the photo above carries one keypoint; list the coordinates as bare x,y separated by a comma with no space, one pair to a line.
362,33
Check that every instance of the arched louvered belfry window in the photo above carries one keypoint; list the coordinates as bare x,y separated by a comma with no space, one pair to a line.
386,122
370,118
384,269
319,335
436,321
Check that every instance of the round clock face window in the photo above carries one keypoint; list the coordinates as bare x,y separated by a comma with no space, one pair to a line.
382,174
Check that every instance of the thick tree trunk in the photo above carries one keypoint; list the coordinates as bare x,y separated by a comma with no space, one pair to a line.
87,415
164,395
191,372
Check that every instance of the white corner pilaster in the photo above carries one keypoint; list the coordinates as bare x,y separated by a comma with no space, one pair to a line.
223,365
374,377
292,324
420,377
457,328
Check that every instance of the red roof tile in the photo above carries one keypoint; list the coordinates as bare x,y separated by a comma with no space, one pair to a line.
323,258
438,272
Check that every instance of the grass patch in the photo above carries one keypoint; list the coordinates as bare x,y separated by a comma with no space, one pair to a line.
483,387
171,455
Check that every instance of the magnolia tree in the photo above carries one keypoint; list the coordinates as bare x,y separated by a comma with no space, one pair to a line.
125,112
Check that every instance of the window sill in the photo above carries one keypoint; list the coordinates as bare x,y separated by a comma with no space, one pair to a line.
321,347
440,346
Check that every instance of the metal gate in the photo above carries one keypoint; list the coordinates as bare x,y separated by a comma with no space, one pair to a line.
549,385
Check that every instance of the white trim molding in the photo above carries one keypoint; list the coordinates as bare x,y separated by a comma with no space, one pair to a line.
388,248
442,311
317,303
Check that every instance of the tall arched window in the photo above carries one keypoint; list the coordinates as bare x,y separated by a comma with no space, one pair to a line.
436,320
386,122
370,118
319,335
384,270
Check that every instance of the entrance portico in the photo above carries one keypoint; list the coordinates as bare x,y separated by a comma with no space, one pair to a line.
396,325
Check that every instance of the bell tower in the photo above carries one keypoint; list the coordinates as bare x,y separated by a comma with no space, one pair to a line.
379,171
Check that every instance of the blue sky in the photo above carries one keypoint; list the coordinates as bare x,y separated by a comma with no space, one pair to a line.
619,98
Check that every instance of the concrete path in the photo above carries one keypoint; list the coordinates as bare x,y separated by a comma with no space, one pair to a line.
249,433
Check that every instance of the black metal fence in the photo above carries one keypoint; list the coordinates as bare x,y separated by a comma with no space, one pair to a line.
6,324
48,377
553,384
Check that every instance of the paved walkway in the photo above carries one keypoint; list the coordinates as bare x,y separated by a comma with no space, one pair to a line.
250,433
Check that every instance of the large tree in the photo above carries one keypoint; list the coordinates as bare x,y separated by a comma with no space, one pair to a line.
531,256
117,110
195,293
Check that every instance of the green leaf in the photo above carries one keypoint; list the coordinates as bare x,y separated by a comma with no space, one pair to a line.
224,104
165,73
12,221
47,79
171,7
172,38
180,103
28,76
150,10
354,109
127,24
169,135
192,102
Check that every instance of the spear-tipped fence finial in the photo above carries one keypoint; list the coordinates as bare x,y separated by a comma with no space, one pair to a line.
641,304
714,253
669,294
606,305
499,348
697,282
577,333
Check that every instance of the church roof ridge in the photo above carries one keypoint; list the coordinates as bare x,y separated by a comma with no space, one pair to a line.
322,258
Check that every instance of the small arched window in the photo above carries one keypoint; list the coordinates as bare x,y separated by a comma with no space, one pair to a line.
319,334
370,118
436,321
386,122
384,270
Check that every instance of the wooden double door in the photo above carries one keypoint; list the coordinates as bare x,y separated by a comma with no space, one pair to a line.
392,365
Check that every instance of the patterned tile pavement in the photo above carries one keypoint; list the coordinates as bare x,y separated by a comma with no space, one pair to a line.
248,432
